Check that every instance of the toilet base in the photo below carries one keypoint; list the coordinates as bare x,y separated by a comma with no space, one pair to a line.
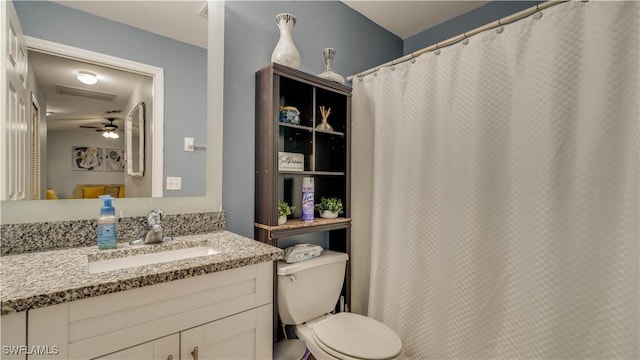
306,334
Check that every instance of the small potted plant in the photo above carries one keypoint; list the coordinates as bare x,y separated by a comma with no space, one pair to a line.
283,211
329,208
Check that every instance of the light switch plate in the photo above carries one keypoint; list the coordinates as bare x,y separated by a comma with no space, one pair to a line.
189,144
174,183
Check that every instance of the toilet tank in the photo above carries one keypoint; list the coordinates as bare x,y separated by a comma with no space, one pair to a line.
310,288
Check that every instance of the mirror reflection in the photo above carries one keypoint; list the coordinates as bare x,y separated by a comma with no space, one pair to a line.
182,103
135,140
85,125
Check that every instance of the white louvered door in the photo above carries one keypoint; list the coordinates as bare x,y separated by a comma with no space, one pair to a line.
14,123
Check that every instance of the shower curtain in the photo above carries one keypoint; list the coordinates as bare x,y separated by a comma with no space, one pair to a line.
502,179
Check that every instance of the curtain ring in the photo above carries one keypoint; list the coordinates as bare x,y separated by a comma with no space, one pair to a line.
538,13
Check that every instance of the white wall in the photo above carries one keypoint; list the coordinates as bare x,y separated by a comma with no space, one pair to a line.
61,177
141,186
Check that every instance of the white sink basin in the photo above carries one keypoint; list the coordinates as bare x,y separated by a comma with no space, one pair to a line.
148,259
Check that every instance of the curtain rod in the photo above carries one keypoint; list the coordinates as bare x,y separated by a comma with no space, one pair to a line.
492,25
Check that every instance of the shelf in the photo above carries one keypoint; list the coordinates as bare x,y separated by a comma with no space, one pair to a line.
337,133
294,126
312,173
326,155
297,226
310,129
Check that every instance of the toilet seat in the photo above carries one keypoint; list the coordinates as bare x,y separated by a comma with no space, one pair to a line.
352,336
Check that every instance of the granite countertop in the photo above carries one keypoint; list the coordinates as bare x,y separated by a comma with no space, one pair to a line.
33,280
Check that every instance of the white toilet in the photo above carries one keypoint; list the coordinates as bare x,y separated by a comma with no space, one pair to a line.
308,291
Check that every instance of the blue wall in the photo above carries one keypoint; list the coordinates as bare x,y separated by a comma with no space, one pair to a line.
465,22
184,67
250,36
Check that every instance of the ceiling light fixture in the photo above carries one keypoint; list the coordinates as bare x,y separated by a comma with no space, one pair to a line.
87,77
110,135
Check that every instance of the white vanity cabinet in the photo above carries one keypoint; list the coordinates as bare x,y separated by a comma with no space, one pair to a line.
241,336
226,314
166,348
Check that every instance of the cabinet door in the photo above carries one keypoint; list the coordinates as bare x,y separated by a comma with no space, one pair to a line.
13,335
166,348
246,335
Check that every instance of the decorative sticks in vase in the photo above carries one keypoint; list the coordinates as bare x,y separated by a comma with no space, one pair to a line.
324,125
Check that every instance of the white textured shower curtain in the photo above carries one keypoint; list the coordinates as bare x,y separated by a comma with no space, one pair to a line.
503,185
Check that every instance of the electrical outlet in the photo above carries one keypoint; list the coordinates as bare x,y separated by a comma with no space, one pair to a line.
189,144
174,183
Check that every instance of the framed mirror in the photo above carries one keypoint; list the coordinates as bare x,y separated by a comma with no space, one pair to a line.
134,133
210,199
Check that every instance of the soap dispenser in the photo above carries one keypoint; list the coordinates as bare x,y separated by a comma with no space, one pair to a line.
107,225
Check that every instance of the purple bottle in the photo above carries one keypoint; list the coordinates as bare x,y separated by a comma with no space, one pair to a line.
307,199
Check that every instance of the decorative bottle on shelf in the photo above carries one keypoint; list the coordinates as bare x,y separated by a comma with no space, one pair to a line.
285,52
329,54
324,125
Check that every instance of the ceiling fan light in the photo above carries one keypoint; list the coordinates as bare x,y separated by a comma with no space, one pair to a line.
110,135
87,77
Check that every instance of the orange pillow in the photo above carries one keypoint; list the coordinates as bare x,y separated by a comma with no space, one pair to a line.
92,192
114,191
50,194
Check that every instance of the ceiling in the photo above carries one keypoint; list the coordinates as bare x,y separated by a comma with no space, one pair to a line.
407,18
402,18
187,25
72,103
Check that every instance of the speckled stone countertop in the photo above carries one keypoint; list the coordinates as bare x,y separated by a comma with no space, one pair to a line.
38,279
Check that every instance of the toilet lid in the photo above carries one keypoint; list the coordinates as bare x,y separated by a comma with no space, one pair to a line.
358,336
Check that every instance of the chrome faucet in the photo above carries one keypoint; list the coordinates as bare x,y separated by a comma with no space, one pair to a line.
154,224
155,234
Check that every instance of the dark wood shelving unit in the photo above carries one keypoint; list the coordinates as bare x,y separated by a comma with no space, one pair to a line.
327,158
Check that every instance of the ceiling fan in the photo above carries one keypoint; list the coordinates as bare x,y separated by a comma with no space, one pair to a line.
111,127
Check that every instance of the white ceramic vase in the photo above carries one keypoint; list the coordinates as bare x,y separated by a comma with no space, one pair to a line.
286,52
328,214
282,220
329,54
